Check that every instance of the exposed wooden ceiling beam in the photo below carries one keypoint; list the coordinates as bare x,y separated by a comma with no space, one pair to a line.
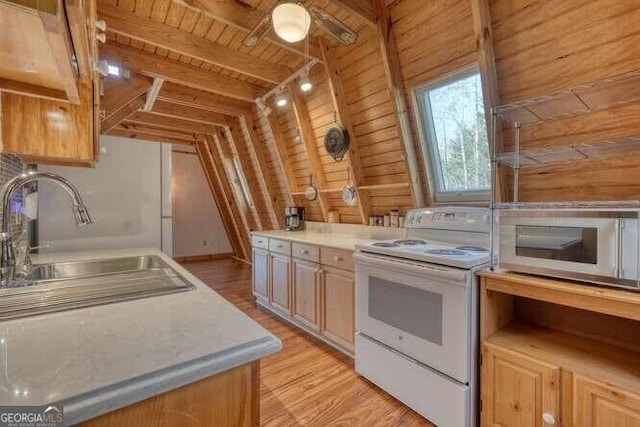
224,203
149,118
156,66
217,144
245,18
147,137
152,130
120,91
341,108
486,60
280,146
362,8
236,141
183,112
257,152
153,32
395,84
311,148
153,93
184,95
124,112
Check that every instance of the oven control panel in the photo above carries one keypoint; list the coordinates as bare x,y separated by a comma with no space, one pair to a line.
449,218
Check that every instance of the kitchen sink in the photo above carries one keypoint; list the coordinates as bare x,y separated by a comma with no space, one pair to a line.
53,287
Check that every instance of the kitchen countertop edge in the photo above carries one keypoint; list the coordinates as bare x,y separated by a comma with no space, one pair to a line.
99,402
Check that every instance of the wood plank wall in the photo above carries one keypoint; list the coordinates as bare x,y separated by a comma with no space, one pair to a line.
540,45
547,45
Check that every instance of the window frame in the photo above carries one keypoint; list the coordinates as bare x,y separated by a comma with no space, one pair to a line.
428,142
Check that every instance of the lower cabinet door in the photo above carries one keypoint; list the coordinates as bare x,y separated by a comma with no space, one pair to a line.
338,304
280,282
517,390
306,293
596,404
261,273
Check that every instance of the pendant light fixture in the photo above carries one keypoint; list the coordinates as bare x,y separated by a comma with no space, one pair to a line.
291,21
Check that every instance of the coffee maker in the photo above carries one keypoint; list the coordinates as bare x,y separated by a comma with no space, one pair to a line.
293,218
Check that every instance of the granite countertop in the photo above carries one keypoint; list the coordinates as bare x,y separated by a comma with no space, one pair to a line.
97,359
332,240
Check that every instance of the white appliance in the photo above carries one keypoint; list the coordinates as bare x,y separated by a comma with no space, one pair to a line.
599,244
417,312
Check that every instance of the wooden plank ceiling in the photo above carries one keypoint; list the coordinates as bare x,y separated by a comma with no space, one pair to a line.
192,82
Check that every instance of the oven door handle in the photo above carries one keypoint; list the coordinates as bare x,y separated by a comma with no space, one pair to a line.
449,274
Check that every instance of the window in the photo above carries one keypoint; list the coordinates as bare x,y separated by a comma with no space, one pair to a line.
454,138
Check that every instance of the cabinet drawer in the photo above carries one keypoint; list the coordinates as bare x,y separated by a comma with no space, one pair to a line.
260,242
338,258
280,246
305,251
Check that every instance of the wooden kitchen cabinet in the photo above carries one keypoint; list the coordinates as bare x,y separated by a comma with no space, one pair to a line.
50,95
306,293
261,273
338,306
518,390
280,282
46,131
558,353
597,404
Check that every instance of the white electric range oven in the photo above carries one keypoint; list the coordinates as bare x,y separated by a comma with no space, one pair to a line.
417,312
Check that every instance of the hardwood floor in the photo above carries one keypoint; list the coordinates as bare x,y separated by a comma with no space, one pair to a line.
308,383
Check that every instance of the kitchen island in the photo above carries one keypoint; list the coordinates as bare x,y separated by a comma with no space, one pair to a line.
179,359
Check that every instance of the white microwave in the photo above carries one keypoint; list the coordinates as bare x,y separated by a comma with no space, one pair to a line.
589,244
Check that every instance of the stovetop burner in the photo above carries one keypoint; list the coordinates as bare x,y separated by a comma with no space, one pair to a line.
449,252
385,244
471,248
410,242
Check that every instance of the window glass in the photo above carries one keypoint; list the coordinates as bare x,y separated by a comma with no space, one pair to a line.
455,139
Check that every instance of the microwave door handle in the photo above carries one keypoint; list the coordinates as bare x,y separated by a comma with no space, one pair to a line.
619,248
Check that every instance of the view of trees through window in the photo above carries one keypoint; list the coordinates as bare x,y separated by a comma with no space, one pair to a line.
458,135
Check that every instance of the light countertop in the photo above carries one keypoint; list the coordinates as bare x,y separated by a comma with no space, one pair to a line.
97,359
332,240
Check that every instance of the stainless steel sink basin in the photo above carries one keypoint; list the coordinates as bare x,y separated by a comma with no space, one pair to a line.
70,285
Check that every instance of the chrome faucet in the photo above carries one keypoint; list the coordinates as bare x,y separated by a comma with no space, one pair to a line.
7,250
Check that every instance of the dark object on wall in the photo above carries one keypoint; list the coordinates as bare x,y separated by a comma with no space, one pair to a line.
336,142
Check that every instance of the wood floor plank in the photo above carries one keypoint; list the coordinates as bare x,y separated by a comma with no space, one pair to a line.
308,383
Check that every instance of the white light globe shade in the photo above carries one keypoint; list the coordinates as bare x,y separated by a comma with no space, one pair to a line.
281,101
306,84
291,22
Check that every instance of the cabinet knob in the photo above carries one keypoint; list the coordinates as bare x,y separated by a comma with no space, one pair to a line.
304,252
548,418
101,25
337,258
279,246
102,37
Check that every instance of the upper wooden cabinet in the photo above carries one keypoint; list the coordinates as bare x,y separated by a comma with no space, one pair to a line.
42,130
49,90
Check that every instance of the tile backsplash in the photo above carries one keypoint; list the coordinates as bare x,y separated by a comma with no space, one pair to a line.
10,166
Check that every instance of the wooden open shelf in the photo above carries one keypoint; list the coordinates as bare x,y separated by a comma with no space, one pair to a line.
610,148
612,301
594,96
